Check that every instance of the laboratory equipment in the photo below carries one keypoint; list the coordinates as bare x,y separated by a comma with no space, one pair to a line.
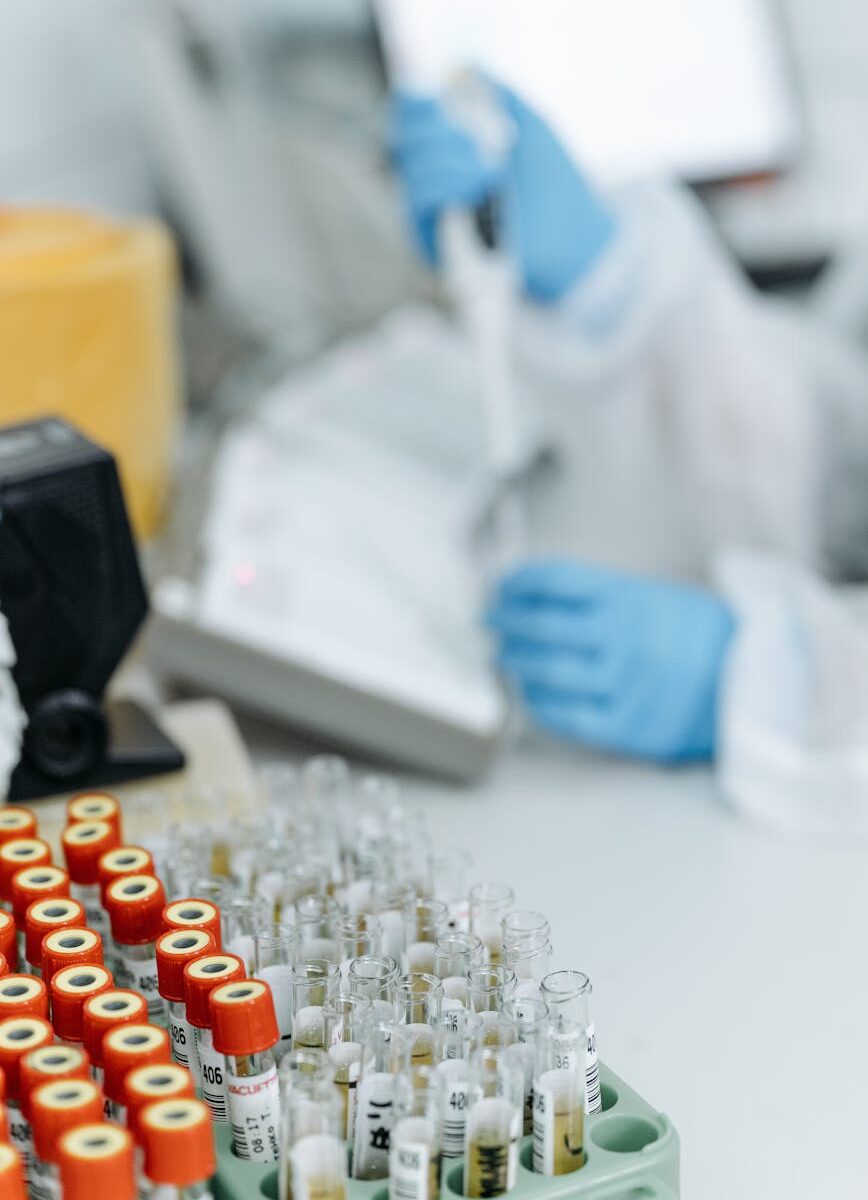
95,806
69,989
415,1145
174,949
11,1173
104,1012
568,995
68,945
15,855
18,1036
275,949
246,1033
201,976
494,1122
489,903
16,822
30,885
179,1148
559,1099
55,481
55,1108
125,1049
83,844
22,996
145,1086
8,941
135,906
50,1064
96,1163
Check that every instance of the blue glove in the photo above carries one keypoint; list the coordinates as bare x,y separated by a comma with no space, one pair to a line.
624,663
559,226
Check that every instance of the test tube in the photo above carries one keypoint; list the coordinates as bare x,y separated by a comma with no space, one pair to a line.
135,905
69,989
201,976
314,1160
457,1035
16,821
530,957
418,1003
120,862
174,949
529,1017
455,954
346,1020
568,995
96,1163
374,977
56,1108
315,918
12,1186
178,1147
559,1100
14,856
245,1033
275,950
29,885
43,917
241,918
18,1036
374,1112
494,1122
489,988
415,1144
23,996
103,1012
94,806
83,845
449,873
425,921
520,923
124,1049
389,900
314,981
67,947
489,904
356,936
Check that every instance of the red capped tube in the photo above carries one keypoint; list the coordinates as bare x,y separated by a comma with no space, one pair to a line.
17,822
11,1174
69,947
201,976
194,914
23,996
144,1086
97,1163
8,942
36,883
70,988
58,1107
120,862
178,1142
135,905
245,1032
175,949
50,1064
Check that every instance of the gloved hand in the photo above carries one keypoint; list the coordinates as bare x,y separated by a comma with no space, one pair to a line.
559,225
617,661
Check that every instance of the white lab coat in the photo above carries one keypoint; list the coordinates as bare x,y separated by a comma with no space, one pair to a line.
709,433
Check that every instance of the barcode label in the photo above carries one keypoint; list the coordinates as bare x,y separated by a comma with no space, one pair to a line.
593,1097
21,1137
373,1124
454,1126
254,1111
211,1066
410,1172
184,1052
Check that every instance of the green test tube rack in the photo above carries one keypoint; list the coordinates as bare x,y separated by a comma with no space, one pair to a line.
632,1154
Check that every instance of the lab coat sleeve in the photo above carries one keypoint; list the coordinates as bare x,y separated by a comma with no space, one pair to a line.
793,713
751,392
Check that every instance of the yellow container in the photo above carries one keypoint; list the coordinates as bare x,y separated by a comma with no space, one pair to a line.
87,333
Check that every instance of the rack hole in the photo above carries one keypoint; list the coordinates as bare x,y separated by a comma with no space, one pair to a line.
623,1135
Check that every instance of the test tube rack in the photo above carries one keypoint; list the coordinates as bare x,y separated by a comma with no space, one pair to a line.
632,1154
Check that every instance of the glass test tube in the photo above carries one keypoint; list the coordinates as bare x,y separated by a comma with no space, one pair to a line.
314,1160
494,1121
415,1143
314,981
174,949
355,937
457,1035
559,1100
454,956
520,923
489,988
389,900
374,1110
489,904
448,877
529,1017
373,976
419,1002
315,918
530,957
424,922
246,1032
568,995
346,1022
275,951
242,916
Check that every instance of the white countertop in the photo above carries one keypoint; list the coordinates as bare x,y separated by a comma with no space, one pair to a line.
729,965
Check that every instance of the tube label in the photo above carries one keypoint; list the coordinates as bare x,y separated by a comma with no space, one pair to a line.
593,1097
254,1112
184,1051
44,1183
413,1172
212,1067
21,1137
374,1113
456,1102
140,974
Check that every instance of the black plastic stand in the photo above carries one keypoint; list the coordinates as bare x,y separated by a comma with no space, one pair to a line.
136,748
